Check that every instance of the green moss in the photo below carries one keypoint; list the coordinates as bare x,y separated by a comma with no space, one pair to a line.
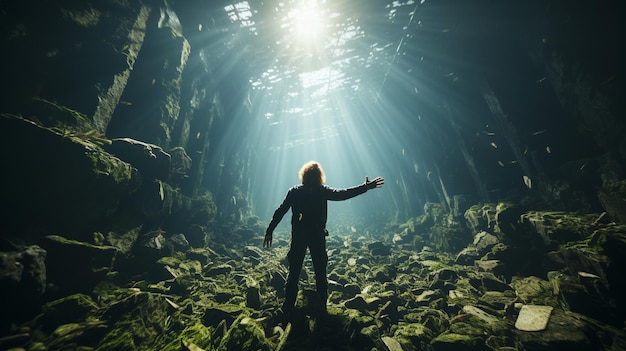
203,209
358,318
460,341
111,167
118,339
196,333
416,332
245,334
169,261
465,329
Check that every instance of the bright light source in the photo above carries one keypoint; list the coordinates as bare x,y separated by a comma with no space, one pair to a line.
308,24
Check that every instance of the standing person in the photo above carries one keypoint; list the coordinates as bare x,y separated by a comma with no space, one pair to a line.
308,203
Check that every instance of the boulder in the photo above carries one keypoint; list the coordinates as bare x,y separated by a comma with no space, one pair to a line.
149,247
417,333
75,267
151,161
480,217
60,181
533,290
379,249
612,198
484,241
467,256
23,281
23,272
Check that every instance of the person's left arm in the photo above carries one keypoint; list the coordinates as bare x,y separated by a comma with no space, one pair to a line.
348,193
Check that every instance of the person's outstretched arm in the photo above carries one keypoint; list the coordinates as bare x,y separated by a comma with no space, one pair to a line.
345,194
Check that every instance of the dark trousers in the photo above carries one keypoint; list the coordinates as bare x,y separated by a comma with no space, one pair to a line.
316,242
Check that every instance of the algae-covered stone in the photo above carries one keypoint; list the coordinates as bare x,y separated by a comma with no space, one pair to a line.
214,315
196,334
417,333
484,241
480,217
457,342
245,334
392,344
357,319
507,216
533,290
368,338
70,309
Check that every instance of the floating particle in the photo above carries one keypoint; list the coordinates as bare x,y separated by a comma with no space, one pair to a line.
528,182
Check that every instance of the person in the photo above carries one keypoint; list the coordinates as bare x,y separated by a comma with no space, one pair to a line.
308,203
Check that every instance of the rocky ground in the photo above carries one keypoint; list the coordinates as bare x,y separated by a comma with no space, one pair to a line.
522,280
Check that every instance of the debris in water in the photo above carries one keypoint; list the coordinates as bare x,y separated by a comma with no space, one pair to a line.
528,182
366,289
172,303
539,132
396,238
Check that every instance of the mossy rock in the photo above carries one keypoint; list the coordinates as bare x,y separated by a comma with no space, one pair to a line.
245,334
458,342
121,340
196,334
73,308
358,320
417,333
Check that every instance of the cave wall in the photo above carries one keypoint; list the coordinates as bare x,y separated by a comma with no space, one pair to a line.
134,71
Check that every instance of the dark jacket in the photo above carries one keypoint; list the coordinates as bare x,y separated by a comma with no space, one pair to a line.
308,205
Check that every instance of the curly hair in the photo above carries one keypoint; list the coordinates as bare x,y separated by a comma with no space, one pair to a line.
312,173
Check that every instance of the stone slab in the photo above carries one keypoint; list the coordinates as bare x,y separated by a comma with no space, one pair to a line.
533,317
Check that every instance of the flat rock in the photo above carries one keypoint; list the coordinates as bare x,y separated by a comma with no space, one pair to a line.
477,312
533,317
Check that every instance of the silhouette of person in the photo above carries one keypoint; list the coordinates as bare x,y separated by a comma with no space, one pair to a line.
308,203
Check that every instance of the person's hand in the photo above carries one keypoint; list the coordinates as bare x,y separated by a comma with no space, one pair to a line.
267,241
374,183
